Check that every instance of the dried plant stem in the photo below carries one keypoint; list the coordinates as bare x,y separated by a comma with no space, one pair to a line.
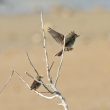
38,74
53,86
30,75
57,94
51,66
60,97
32,64
60,65
7,82
27,85
63,102
45,50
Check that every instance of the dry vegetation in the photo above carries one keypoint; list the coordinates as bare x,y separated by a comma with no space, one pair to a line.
86,72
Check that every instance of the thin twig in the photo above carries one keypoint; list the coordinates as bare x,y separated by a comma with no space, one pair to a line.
42,83
60,65
52,86
7,82
51,66
32,64
46,97
37,74
63,102
45,86
30,75
51,81
45,50
27,85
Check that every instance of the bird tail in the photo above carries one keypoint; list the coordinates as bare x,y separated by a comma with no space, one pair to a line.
59,53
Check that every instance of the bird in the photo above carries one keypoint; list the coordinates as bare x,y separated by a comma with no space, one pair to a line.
36,84
69,40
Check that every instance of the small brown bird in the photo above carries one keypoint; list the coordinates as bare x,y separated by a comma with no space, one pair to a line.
69,40
35,85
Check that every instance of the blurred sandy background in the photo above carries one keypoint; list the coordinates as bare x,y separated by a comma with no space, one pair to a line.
85,75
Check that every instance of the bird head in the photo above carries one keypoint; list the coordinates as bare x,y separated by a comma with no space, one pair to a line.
74,34
39,77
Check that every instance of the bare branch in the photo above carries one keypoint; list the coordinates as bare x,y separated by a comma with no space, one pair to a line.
40,94
45,86
51,66
63,102
56,95
7,82
30,75
51,87
27,85
46,97
60,65
32,64
38,74
45,50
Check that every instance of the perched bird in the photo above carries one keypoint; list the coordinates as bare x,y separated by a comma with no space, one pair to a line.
35,85
69,40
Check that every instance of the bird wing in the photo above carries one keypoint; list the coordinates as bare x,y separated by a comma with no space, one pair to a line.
57,36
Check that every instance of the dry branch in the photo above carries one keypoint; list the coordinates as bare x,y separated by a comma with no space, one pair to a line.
45,50
45,86
51,87
27,85
6,83
60,65
32,64
56,94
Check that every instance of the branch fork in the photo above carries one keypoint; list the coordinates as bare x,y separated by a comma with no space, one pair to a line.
51,87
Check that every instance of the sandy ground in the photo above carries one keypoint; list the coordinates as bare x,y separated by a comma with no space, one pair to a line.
85,75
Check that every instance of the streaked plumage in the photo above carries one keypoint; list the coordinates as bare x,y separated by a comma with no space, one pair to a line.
69,40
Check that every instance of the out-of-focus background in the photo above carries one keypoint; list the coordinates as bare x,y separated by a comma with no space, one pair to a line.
85,79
